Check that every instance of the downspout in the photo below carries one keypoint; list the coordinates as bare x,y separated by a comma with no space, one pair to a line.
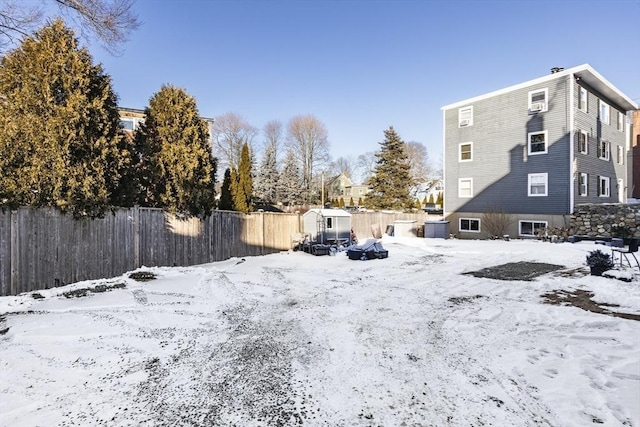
572,154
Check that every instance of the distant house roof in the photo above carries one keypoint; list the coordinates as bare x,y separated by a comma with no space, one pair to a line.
583,72
135,112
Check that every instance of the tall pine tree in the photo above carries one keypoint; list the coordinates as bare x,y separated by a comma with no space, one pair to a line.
268,176
391,181
60,140
242,183
289,188
226,199
176,168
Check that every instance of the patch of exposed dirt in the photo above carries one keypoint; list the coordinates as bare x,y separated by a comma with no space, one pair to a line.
583,299
3,330
142,276
83,292
463,300
523,270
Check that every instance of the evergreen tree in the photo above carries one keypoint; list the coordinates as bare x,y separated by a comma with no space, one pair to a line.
431,198
242,183
350,201
176,166
226,199
391,181
341,202
267,177
424,201
60,140
440,200
359,201
290,181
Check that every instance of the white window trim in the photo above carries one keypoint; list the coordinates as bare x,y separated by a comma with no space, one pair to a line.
584,178
460,159
460,180
607,152
546,225
546,143
606,179
586,99
620,155
546,100
601,104
546,184
479,230
586,142
460,119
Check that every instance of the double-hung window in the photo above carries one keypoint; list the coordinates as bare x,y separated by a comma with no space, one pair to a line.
531,228
538,100
471,225
583,184
604,149
621,121
620,155
538,183
604,186
466,152
583,142
465,187
537,143
605,116
583,100
465,116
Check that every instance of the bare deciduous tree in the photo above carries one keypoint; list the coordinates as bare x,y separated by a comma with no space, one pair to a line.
110,21
273,136
366,164
308,139
343,165
230,132
418,161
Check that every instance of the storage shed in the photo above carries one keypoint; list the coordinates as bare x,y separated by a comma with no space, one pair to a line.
327,225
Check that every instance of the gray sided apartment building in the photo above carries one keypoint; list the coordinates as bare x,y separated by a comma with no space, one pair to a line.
534,151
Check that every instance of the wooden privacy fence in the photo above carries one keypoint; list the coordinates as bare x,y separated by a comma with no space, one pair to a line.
363,222
42,248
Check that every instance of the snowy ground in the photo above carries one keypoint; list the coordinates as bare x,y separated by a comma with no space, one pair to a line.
291,338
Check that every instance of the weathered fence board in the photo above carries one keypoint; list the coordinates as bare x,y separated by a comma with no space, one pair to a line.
43,248
363,222
5,252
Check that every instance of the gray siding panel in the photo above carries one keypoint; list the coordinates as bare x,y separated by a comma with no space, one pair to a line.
590,163
501,165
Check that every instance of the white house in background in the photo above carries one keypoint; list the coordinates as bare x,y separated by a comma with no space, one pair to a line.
425,190
130,119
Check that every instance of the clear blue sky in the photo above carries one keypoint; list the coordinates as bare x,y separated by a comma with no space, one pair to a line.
360,66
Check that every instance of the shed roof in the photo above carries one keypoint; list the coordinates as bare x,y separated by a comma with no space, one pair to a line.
329,212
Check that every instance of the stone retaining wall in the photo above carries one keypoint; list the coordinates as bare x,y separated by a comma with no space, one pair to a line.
602,220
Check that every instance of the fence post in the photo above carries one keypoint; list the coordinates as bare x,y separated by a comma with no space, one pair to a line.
136,237
15,253
262,251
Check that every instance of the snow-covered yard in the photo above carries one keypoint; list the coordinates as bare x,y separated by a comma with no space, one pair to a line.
291,338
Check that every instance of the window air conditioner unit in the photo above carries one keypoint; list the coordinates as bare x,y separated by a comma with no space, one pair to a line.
536,106
465,122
